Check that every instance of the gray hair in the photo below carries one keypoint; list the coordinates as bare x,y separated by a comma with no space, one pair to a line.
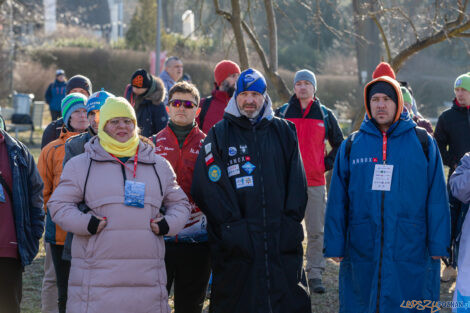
172,58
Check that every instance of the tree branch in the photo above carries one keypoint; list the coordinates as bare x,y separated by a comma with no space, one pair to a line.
419,45
384,37
465,35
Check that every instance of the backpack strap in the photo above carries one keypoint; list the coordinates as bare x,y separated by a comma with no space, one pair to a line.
204,108
283,110
349,142
423,138
324,113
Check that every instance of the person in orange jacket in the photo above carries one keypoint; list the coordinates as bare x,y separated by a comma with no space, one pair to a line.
50,169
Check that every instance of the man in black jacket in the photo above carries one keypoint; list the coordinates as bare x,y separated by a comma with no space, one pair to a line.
451,134
250,182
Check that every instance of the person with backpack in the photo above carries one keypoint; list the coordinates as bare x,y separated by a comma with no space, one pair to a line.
226,74
387,218
315,125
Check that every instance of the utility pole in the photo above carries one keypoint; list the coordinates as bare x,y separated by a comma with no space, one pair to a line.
11,36
157,48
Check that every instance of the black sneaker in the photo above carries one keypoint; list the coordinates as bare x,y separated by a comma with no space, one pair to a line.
316,285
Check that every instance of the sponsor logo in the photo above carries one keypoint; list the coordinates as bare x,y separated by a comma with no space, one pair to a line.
248,167
245,181
233,170
232,151
214,173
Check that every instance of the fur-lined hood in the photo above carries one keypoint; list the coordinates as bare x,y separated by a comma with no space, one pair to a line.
155,94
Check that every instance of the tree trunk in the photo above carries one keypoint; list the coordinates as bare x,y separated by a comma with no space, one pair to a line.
238,32
367,52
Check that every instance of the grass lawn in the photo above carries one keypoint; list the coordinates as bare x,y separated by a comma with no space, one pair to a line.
326,303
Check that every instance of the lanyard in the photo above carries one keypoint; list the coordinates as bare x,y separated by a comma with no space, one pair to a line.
384,147
135,161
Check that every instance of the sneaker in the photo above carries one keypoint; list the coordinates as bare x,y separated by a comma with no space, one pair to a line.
449,274
316,285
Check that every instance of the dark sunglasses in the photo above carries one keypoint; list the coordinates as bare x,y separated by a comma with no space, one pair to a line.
185,103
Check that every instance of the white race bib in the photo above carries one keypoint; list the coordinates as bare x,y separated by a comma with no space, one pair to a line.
382,177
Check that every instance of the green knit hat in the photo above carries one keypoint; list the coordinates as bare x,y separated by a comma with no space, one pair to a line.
406,95
463,81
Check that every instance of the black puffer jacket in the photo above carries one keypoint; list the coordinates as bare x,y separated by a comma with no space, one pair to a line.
250,182
452,134
150,109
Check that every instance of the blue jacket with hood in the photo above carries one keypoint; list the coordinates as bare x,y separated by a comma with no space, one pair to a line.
387,238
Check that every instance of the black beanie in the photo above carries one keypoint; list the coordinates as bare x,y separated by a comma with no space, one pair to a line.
141,79
79,81
382,87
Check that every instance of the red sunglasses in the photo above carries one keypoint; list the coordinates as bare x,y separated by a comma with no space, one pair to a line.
185,103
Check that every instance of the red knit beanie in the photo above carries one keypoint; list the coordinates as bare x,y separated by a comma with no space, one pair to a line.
224,69
384,69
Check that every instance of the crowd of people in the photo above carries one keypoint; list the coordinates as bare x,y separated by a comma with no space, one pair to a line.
163,190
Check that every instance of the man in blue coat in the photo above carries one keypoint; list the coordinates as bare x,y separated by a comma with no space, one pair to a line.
55,93
387,217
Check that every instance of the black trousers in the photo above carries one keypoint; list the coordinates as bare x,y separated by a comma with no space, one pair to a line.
62,270
55,115
188,267
11,285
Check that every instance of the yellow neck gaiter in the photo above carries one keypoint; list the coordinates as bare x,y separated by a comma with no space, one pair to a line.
119,149
112,108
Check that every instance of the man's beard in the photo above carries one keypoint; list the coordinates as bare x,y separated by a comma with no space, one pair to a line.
251,114
228,89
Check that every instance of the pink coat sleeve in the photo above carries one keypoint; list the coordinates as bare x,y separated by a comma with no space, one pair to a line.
63,202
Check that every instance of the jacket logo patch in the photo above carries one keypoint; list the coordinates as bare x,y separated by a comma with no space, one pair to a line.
208,148
245,181
232,151
243,149
233,170
214,173
237,160
209,159
248,167
321,124
364,160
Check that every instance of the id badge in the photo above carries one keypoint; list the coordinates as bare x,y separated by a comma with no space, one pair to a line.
382,177
134,194
2,194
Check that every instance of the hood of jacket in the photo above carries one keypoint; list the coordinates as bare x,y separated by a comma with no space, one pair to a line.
155,94
97,152
396,87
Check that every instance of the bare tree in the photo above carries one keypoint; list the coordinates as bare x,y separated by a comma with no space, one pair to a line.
438,26
270,63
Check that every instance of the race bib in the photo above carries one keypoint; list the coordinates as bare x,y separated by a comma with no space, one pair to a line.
382,177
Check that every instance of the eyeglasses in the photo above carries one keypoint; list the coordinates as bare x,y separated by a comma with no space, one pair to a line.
185,103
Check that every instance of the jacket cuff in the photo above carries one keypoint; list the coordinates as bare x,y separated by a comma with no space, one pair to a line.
163,227
93,225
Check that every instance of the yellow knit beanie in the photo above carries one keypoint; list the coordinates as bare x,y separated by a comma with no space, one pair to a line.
112,108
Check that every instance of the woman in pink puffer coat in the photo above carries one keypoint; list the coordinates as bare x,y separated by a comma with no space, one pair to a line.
118,248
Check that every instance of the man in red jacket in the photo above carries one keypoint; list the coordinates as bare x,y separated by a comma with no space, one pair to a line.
315,124
212,108
187,254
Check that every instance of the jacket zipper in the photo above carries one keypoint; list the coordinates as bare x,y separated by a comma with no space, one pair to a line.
265,236
382,209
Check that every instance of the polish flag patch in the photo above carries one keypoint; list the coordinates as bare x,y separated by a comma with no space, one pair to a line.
209,159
